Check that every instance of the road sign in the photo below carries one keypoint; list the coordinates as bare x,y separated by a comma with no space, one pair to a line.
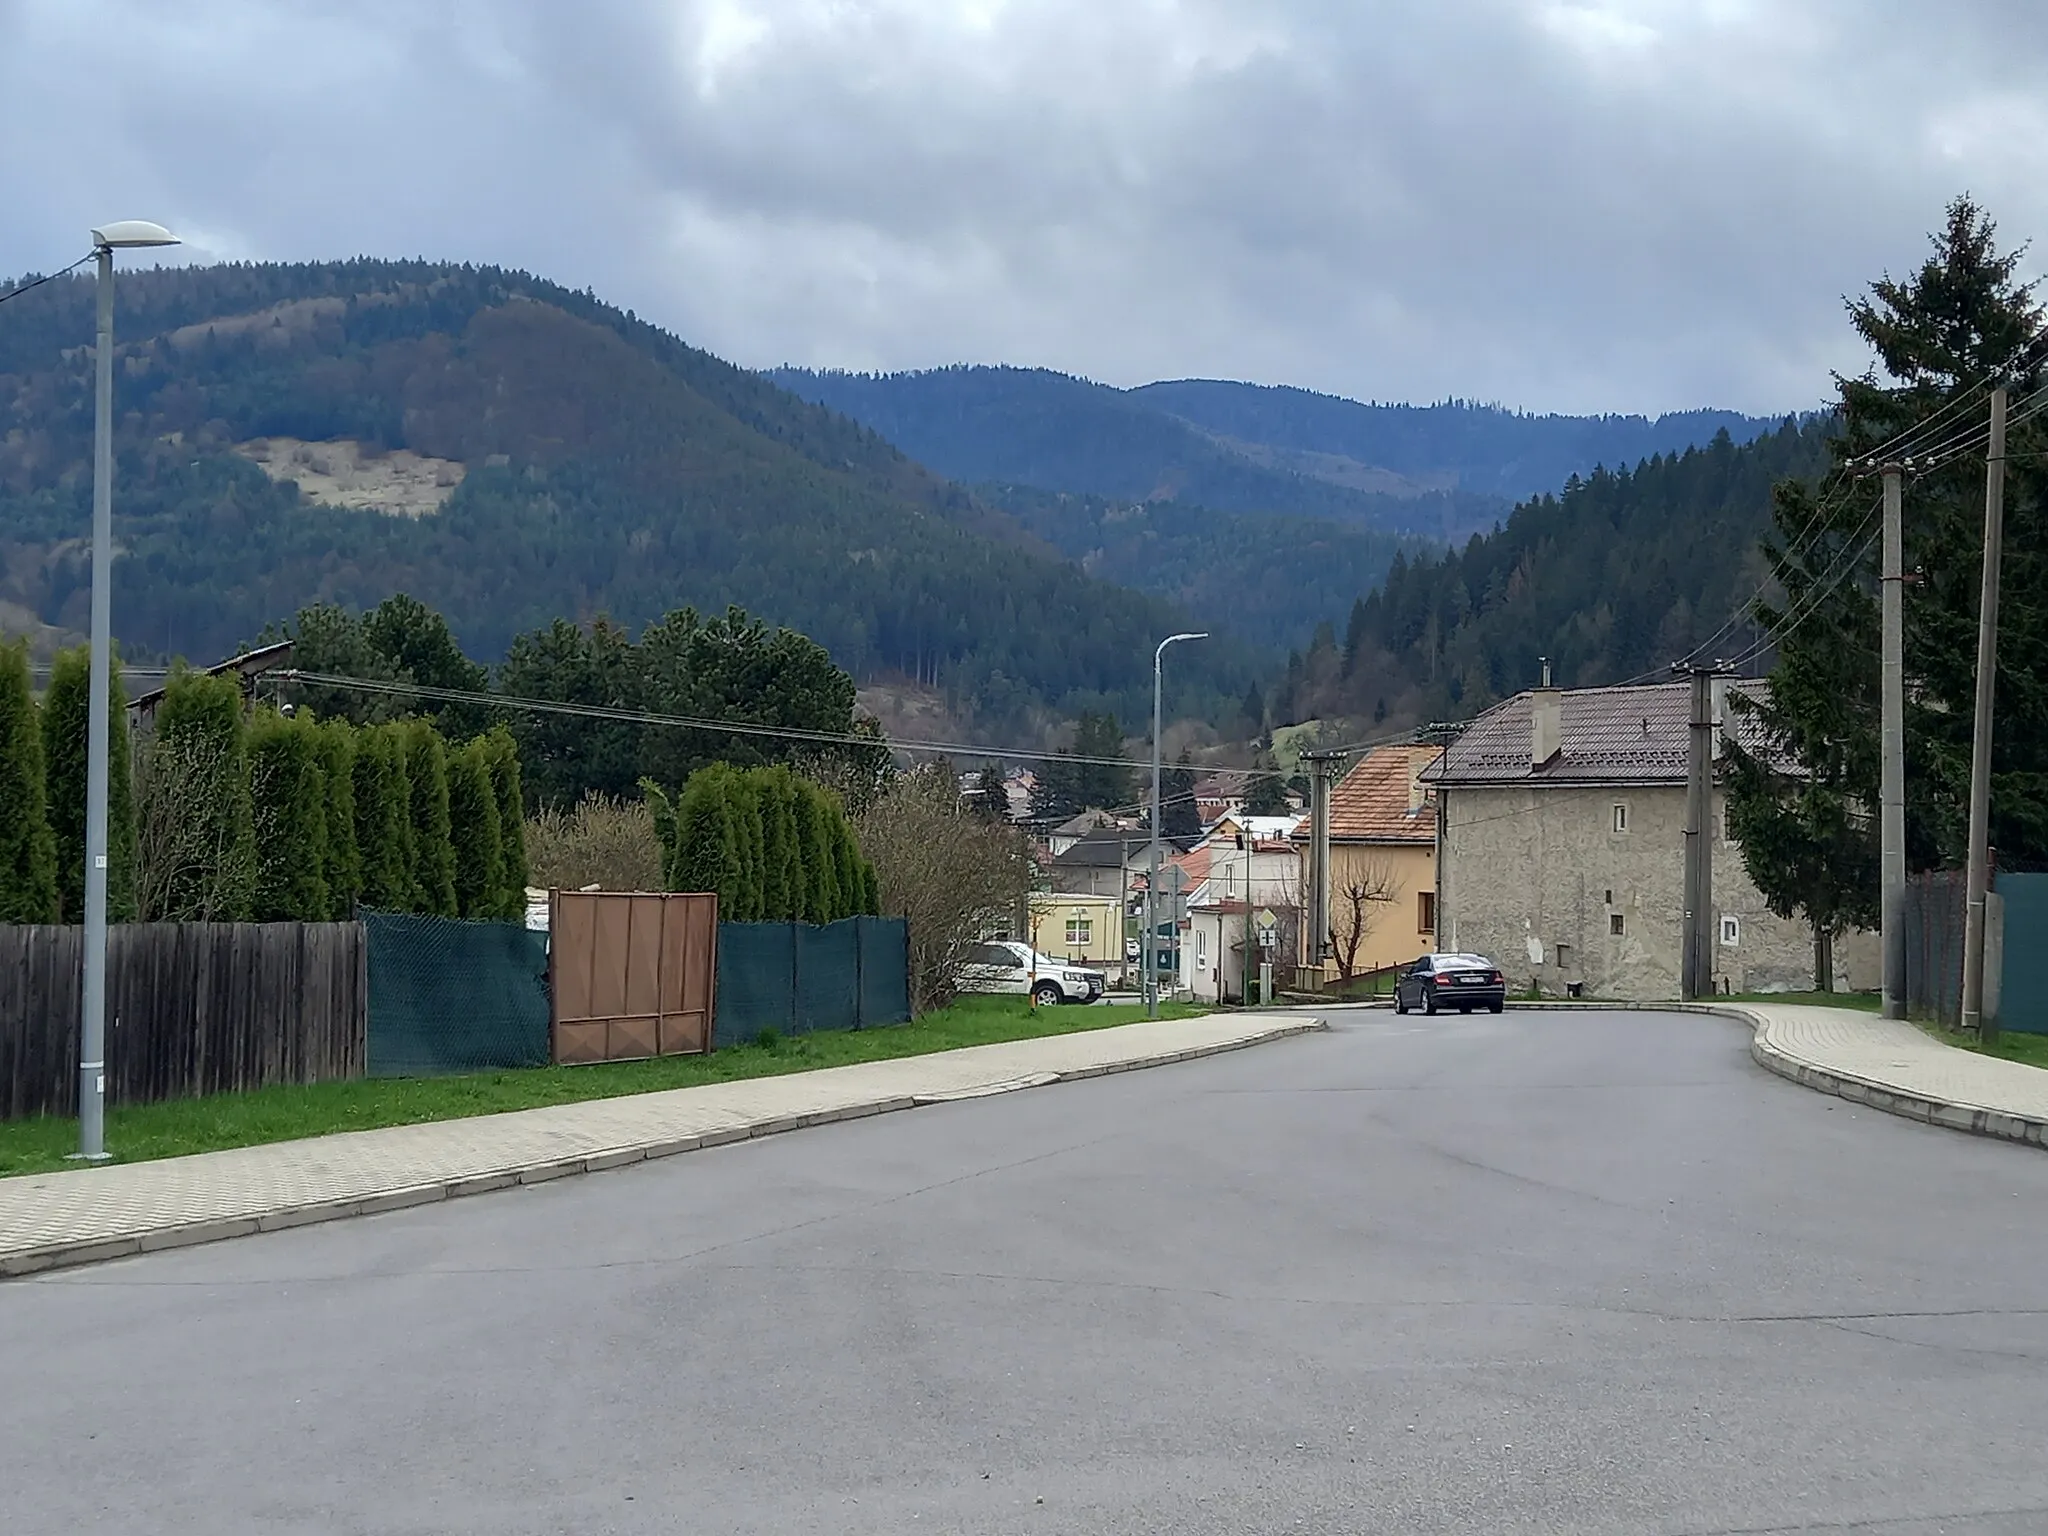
1266,920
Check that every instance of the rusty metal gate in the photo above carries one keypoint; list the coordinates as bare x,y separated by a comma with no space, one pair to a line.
631,974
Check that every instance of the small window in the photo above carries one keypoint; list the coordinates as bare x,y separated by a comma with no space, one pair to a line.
1079,932
1621,818
1425,911
1614,923
1731,931
1609,898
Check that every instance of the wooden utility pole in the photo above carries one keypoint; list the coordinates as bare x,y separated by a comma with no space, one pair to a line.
1979,875
1892,750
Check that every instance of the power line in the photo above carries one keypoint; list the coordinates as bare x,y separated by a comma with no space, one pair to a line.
37,282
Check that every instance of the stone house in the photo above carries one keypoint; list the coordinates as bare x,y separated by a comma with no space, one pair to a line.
1382,861
1561,850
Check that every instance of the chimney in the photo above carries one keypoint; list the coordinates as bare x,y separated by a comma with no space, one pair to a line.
1546,721
1717,711
1417,761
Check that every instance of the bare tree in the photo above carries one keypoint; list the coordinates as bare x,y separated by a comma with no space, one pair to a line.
1355,900
953,876
606,842
193,863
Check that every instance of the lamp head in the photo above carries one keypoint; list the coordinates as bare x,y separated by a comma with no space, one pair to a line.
129,234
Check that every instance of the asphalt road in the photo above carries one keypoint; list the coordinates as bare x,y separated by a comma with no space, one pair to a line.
1564,1272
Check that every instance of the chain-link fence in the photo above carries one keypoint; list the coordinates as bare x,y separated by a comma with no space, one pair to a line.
798,977
452,996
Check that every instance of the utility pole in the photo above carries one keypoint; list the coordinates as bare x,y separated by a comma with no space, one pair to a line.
1891,793
1696,953
1980,745
1321,765
1152,876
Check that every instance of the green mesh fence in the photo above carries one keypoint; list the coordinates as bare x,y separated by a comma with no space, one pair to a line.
2023,996
450,996
795,977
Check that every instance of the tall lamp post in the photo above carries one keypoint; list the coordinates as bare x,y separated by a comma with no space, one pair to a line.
1152,879
129,234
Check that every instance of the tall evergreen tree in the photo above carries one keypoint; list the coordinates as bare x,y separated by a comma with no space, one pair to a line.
503,753
782,879
337,745
1179,817
749,904
1802,810
814,853
433,847
382,791
199,753
65,751
992,794
473,829
707,854
1266,792
28,851
289,788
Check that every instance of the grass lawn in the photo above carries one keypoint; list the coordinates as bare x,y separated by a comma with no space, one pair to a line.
284,1113
2030,1050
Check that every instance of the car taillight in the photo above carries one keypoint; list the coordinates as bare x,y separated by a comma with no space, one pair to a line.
1499,978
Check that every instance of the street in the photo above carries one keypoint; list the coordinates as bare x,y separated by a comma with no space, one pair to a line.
1542,1272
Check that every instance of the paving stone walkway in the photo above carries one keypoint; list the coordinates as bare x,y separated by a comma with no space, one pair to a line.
1899,1068
86,1214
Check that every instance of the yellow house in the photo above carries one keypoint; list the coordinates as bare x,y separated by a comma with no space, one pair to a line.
1086,929
1382,862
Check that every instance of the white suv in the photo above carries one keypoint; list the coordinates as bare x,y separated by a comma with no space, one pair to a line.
1004,965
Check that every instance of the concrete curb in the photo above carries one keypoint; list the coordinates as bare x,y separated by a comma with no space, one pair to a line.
1893,1100
65,1255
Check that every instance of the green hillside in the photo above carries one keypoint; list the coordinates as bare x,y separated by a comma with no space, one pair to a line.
603,467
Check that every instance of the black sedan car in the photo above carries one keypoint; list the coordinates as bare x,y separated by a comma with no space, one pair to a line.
1463,982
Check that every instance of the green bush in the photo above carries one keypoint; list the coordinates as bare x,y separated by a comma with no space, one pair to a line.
28,851
781,873
288,784
66,707
473,822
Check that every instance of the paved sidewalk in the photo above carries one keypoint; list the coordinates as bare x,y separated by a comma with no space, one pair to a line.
1900,1069
87,1214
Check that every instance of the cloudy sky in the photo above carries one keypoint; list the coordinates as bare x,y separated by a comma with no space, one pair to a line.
1572,205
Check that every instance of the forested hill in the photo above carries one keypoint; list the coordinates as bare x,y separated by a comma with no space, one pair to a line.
555,457
1054,432
1482,448
1621,573
1448,470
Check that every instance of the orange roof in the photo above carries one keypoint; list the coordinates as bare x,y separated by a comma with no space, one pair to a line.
1371,803
1194,863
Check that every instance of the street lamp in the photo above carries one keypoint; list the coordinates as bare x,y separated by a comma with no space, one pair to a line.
1152,879
128,234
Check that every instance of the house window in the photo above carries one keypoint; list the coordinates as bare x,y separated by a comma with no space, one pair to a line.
1731,931
1609,898
1621,818
1079,930
1425,911
1201,949
1614,924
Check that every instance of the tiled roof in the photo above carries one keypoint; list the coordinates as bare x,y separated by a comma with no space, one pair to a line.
1370,803
1607,736
1103,851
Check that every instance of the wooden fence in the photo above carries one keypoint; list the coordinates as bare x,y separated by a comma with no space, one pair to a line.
192,1008
631,974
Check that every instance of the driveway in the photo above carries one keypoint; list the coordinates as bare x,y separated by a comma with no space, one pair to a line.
1560,1272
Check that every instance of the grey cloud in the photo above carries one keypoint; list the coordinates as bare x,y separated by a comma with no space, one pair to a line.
1612,204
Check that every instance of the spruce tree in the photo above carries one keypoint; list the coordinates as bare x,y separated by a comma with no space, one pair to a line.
288,784
433,850
1180,818
382,791
473,821
65,749
28,851
337,744
992,801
